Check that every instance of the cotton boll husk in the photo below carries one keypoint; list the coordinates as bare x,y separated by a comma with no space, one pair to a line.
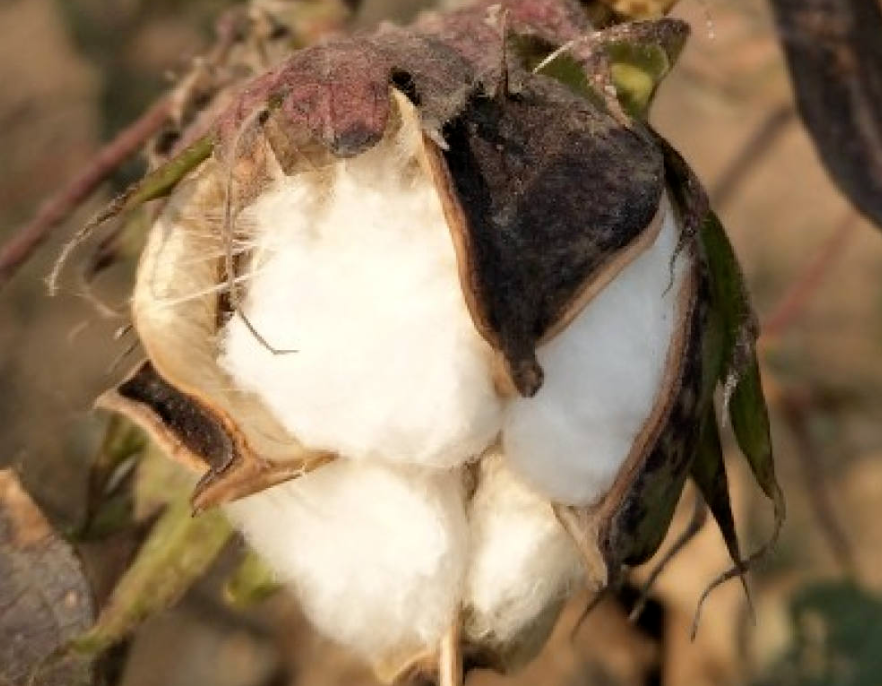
375,553
603,377
354,267
523,565
175,302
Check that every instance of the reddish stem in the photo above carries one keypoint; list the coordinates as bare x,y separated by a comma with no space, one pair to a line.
57,208
803,288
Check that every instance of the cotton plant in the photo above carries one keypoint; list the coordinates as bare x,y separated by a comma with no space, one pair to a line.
437,319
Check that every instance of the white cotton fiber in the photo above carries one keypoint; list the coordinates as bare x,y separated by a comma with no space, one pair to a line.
602,377
523,563
376,554
355,269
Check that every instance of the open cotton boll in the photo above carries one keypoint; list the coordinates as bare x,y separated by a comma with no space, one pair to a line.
376,554
603,375
523,564
355,269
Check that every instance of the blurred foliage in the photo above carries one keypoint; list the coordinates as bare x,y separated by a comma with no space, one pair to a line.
837,638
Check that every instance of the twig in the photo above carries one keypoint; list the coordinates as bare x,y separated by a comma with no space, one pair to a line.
808,281
694,526
757,147
794,409
24,243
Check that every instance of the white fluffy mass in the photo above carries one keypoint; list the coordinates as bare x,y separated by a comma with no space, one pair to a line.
523,563
354,267
376,554
356,270
602,376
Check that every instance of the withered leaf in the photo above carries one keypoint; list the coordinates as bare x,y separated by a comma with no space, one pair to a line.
834,55
45,600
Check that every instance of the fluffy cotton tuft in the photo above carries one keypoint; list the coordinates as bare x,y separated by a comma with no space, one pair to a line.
602,378
376,554
355,269
523,563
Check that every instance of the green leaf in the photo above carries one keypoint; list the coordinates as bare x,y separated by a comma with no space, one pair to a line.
177,552
729,295
251,582
837,633
637,71
709,474
109,504
739,371
158,183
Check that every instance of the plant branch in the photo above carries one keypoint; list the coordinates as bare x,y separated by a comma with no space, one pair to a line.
807,282
57,208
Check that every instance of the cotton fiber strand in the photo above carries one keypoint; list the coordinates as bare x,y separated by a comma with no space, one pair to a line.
355,269
602,377
376,554
523,563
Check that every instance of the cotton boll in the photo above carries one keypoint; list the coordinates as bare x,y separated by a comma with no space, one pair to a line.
603,374
523,564
376,554
355,269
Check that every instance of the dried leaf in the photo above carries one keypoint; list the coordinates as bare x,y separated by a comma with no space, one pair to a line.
177,552
834,55
44,598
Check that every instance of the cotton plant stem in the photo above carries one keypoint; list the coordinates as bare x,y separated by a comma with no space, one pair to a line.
795,410
57,208
809,280
758,146
450,657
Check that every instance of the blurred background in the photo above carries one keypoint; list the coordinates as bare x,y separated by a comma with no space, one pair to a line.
74,72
